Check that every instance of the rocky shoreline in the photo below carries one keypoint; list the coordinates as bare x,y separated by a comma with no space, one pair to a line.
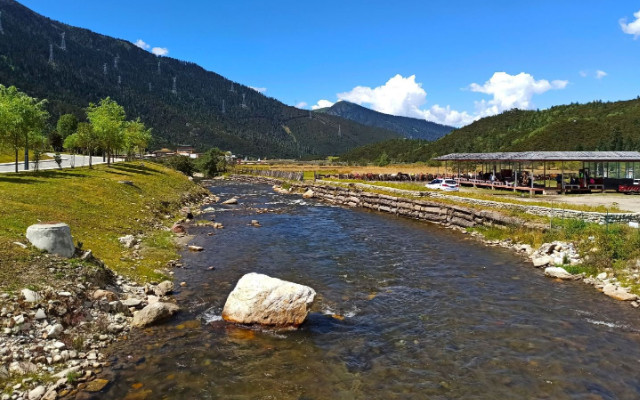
55,339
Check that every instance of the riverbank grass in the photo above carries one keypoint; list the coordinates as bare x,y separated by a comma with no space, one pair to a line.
100,205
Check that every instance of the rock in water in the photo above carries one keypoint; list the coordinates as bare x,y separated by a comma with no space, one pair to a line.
154,313
558,272
308,194
54,238
233,200
260,299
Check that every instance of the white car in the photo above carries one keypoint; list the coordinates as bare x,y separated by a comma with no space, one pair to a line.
443,184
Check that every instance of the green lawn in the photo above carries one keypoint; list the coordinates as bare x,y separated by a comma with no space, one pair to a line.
98,209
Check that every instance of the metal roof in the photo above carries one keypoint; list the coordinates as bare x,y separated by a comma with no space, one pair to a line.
597,156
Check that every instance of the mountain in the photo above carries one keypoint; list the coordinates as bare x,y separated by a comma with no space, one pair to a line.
182,102
410,128
592,126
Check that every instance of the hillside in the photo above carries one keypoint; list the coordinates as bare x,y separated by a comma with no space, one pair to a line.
205,109
592,126
411,128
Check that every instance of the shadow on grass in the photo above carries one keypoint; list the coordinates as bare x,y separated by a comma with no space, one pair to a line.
21,179
136,169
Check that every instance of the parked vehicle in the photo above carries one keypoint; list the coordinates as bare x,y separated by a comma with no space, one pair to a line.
443,184
630,189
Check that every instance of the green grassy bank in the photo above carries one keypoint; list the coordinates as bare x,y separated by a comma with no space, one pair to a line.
98,209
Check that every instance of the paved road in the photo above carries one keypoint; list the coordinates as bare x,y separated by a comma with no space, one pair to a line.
67,161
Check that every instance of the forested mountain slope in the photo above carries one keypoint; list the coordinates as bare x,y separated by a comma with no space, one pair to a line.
205,109
411,128
592,126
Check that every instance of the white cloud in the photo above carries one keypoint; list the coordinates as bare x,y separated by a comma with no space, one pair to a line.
302,104
322,104
583,74
600,74
406,97
399,96
511,91
160,51
259,89
632,28
142,44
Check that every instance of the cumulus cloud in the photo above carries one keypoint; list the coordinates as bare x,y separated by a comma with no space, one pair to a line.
511,91
160,51
633,27
142,44
600,74
259,89
322,104
406,97
302,104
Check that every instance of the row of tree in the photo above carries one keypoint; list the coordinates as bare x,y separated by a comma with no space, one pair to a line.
23,120
107,130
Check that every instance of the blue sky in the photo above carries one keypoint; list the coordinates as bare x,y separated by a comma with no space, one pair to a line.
448,61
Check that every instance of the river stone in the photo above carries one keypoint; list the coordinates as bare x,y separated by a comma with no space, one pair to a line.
558,272
260,299
30,296
618,293
37,393
541,261
233,200
154,313
308,194
54,238
163,288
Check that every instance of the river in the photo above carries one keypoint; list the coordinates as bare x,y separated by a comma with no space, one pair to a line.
405,310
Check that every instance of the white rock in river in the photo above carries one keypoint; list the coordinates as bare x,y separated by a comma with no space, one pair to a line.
558,272
260,299
153,313
618,293
233,200
54,238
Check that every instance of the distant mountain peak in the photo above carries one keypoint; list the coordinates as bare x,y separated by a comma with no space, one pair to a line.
411,128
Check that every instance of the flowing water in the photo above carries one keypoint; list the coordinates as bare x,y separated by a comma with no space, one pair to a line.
405,310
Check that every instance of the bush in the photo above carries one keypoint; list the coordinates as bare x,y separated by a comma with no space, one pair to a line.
186,165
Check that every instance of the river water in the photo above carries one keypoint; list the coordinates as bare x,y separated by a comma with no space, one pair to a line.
405,310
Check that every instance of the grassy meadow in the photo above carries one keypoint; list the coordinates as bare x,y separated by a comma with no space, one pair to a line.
98,209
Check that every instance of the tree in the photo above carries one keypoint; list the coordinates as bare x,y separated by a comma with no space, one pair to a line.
182,164
67,125
136,137
85,138
107,121
39,145
212,162
21,118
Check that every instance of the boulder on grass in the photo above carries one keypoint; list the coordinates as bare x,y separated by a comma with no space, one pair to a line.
260,299
559,273
52,237
153,313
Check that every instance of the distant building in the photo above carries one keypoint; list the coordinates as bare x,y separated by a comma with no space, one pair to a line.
164,153
187,151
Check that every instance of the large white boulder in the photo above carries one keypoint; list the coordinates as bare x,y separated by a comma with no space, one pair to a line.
261,299
558,273
54,238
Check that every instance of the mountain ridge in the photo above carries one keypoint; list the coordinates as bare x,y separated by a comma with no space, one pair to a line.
595,125
203,110
410,128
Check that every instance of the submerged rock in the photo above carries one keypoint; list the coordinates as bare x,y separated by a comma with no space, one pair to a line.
53,237
153,313
260,299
